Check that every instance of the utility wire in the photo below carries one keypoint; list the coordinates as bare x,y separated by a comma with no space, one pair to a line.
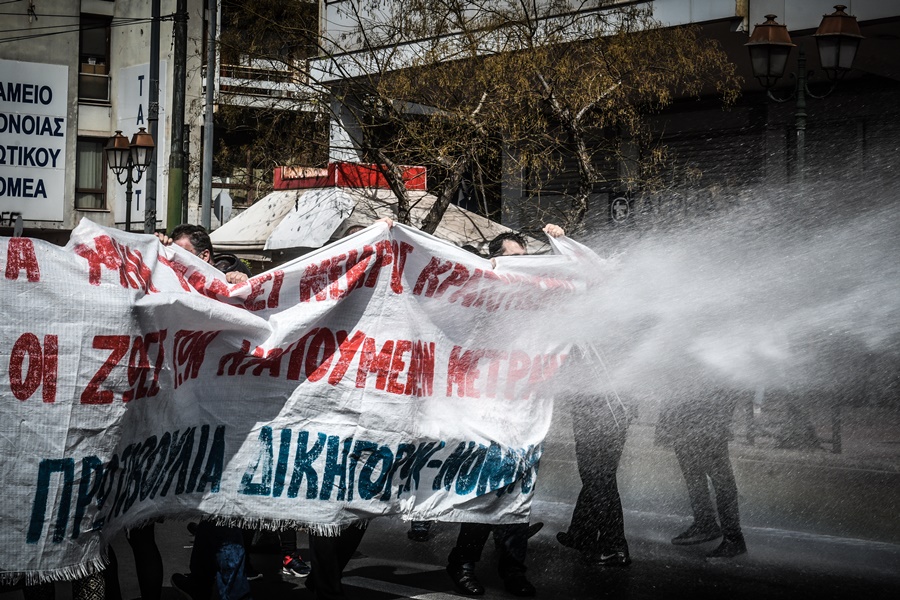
72,27
79,28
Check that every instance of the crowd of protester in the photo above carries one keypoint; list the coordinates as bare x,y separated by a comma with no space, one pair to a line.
220,566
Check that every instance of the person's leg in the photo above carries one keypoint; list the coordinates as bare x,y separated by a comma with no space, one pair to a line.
690,459
600,431
248,536
230,555
467,552
722,476
512,543
469,543
725,486
292,564
202,563
348,542
693,460
329,557
111,576
147,561
288,539
325,579
419,530
582,533
513,546
38,591
610,522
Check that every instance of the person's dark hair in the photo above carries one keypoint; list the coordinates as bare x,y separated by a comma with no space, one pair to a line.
495,247
196,235
471,248
229,263
353,229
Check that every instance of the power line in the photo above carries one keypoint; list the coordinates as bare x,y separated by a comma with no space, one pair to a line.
121,22
75,27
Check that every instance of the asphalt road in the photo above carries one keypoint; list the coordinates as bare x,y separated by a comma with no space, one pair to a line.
817,525
780,564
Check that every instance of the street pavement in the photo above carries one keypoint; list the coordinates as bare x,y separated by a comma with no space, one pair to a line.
818,525
779,564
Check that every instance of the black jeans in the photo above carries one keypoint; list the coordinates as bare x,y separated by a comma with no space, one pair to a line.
512,545
328,557
704,457
600,429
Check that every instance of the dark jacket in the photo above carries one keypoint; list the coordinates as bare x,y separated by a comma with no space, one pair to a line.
704,417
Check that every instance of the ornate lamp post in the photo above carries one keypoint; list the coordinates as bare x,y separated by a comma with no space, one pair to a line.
837,38
127,159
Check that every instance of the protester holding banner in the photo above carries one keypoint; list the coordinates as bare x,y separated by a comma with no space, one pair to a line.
381,375
512,539
329,554
600,425
219,555
195,240
698,425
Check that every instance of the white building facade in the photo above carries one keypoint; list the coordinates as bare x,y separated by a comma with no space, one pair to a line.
72,73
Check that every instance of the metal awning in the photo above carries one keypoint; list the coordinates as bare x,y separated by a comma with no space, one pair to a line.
310,218
249,230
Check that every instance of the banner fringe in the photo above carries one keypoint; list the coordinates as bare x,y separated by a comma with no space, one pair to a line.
322,529
97,565
67,573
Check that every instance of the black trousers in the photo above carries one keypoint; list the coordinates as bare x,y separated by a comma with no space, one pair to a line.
512,545
329,556
704,457
600,429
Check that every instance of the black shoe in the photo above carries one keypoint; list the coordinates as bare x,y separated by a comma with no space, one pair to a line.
183,584
293,565
697,534
730,547
618,558
533,529
518,585
419,530
464,579
569,541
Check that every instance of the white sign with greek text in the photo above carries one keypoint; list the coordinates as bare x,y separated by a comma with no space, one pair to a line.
33,105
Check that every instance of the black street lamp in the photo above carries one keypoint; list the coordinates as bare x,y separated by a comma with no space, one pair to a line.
126,159
837,38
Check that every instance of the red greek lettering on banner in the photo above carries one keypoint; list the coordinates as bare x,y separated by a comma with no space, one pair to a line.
118,345
20,256
42,367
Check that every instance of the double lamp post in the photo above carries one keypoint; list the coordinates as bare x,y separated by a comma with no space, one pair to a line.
129,160
837,37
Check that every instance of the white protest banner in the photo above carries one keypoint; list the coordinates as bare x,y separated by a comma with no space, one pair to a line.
388,373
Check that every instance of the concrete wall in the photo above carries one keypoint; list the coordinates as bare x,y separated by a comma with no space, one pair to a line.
129,48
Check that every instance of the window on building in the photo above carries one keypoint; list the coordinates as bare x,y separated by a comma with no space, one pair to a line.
93,76
90,174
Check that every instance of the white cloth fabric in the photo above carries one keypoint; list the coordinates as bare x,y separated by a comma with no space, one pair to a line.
388,373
